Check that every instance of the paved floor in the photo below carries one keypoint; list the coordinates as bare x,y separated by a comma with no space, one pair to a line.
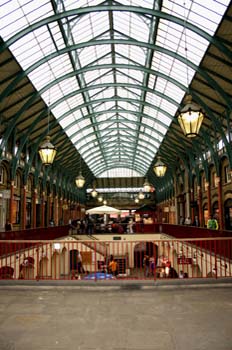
128,317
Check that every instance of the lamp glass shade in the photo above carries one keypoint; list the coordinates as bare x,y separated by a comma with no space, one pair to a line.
105,202
100,199
47,152
94,193
136,200
141,195
160,168
80,181
190,118
146,186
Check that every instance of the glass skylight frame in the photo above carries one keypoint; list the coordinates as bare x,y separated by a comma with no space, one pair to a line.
118,63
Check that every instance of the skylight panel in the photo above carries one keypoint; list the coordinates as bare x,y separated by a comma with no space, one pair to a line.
133,52
89,26
67,121
106,107
127,105
152,146
14,20
169,107
60,109
94,74
153,98
128,24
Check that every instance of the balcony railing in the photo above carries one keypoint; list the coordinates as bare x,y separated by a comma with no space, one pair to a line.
71,259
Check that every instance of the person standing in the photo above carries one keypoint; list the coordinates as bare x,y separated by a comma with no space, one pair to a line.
196,221
212,223
187,221
113,266
79,263
8,226
146,262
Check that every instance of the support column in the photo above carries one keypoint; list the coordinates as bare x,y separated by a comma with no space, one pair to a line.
199,202
24,206
220,206
11,206
56,211
207,188
192,208
43,209
187,196
61,211
34,200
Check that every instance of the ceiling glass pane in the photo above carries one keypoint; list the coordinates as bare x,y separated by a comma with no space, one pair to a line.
103,93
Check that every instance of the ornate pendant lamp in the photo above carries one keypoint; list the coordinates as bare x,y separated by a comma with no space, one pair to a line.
190,118
160,168
141,195
136,200
47,152
94,193
100,198
105,202
146,186
80,180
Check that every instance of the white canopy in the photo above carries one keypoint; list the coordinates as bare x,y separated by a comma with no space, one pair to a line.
104,209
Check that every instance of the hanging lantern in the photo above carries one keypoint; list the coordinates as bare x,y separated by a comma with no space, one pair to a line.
160,168
190,118
105,202
136,200
80,181
47,152
100,199
141,195
94,193
146,186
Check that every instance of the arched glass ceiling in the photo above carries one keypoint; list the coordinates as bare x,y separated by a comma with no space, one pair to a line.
113,74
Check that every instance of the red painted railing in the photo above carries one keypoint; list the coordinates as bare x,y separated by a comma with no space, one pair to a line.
136,260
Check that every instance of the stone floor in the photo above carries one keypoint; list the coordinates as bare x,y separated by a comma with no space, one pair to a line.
116,317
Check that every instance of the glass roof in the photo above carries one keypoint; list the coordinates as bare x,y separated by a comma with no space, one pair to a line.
113,75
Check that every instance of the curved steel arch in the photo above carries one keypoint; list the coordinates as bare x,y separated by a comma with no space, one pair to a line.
48,86
122,164
122,156
100,8
109,142
168,52
118,99
99,123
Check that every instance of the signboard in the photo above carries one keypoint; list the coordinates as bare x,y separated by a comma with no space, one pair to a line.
184,261
117,238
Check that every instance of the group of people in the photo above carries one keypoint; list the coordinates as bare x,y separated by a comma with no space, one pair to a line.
188,222
90,225
212,222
